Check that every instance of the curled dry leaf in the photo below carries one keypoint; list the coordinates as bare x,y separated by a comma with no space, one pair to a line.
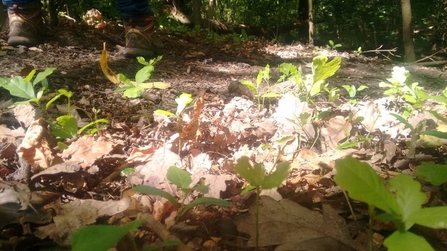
36,148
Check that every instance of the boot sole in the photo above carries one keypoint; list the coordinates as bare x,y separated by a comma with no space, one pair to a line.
17,40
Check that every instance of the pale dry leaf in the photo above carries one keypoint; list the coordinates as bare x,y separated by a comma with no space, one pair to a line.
35,147
26,114
336,130
87,149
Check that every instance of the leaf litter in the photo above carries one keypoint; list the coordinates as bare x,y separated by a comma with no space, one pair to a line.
82,185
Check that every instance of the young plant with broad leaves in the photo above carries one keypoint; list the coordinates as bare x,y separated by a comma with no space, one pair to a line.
400,202
259,180
182,179
103,238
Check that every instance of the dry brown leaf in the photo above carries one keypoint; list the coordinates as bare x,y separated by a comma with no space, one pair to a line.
141,154
192,129
86,150
36,148
336,129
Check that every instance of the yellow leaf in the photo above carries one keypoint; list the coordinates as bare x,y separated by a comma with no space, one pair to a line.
105,67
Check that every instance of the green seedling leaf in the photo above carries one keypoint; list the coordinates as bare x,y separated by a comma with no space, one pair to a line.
250,85
144,74
155,191
437,116
403,121
66,93
433,217
30,75
66,127
276,178
163,112
142,61
133,92
433,173
161,245
127,171
316,88
203,201
248,189
202,188
98,121
271,95
438,134
361,88
180,178
407,241
182,101
408,196
157,85
100,238
440,99
322,70
253,174
18,87
41,76
124,80
51,101
363,183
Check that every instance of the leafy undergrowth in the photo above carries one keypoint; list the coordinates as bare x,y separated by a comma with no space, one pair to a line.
177,180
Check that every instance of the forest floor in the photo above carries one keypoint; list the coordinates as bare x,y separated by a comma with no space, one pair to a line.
223,124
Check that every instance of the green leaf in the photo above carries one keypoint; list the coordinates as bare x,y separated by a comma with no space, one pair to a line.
142,61
105,121
363,183
407,241
316,88
51,101
18,87
202,188
403,121
157,85
250,85
182,101
361,88
144,74
30,75
322,70
180,178
254,175
433,217
438,134
433,173
205,200
125,80
408,195
133,92
277,177
155,191
163,112
438,116
162,244
66,127
100,238
127,171
43,75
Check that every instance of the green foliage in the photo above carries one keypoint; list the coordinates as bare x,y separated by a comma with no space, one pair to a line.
263,77
27,88
400,86
256,174
352,92
182,180
101,238
331,45
433,173
401,203
133,89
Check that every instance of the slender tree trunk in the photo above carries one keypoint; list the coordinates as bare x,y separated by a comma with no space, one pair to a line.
311,23
407,31
196,9
303,17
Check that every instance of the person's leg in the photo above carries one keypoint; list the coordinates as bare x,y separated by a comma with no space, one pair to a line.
139,26
25,22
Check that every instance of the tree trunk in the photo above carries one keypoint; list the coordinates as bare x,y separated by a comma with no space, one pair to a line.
407,31
196,9
311,23
303,15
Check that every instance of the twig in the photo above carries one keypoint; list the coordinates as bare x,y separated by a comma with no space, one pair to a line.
161,231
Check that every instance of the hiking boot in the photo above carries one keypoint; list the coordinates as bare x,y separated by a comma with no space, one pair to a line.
25,25
138,37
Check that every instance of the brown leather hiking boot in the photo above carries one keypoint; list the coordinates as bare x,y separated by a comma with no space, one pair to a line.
25,25
138,37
